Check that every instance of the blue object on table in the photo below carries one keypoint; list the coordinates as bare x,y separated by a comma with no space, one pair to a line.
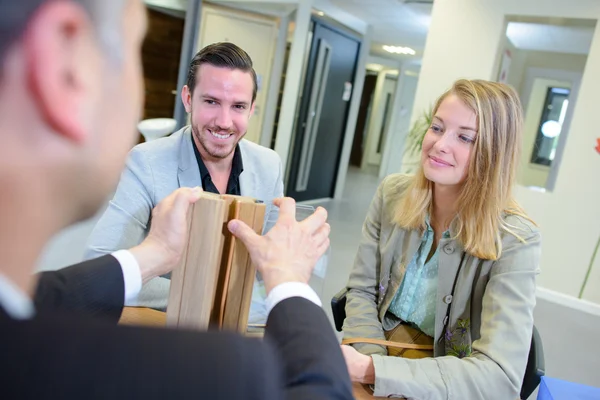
555,389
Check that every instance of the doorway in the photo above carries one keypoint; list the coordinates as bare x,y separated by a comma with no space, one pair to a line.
160,59
321,124
362,121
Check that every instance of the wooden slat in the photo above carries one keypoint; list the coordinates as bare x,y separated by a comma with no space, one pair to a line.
200,270
177,276
233,206
237,277
213,283
257,225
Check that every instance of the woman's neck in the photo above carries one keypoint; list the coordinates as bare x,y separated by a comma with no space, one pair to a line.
444,206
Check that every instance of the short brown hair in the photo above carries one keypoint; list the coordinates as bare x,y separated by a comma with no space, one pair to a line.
225,55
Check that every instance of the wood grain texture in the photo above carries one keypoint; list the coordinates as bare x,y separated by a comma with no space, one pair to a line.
257,225
233,211
177,277
142,316
196,282
237,278
214,282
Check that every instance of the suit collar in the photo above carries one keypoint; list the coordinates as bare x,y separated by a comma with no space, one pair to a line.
249,183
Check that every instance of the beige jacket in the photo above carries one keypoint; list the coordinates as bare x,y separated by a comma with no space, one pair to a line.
491,314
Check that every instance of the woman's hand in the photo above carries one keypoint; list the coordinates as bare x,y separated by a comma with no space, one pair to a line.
360,366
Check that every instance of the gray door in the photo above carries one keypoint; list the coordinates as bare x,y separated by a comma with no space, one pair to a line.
318,142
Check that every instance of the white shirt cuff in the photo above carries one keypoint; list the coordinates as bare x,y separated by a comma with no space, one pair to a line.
290,289
132,276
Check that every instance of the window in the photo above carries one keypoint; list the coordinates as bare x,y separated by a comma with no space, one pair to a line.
553,116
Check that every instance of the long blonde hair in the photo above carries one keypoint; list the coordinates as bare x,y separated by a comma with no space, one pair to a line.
486,195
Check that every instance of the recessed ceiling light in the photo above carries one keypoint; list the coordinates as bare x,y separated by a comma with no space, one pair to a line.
374,67
399,50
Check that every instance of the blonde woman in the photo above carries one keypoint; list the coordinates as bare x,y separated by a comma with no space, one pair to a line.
450,253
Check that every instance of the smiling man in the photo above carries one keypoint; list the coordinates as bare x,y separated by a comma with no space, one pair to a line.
211,153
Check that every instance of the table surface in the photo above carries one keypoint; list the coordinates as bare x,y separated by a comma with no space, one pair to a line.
149,317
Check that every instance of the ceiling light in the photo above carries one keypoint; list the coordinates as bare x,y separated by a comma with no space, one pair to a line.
374,67
320,13
399,50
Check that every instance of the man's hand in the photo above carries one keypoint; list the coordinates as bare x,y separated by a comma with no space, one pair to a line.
162,249
360,366
290,250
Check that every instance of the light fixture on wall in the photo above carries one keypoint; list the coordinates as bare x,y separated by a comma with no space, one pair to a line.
399,50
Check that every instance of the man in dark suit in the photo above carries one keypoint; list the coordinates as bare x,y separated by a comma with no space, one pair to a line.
70,95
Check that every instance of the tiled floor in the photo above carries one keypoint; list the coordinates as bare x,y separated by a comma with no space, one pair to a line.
571,338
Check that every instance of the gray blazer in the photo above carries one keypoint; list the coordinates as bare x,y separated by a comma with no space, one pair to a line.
483,352
153,171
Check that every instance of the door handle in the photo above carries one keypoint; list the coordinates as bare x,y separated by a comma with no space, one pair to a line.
317,95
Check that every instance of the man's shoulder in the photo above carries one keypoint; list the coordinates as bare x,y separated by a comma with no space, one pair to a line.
258,152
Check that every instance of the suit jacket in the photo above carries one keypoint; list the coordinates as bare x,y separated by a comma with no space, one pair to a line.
65,356
154,170
94,287
491,307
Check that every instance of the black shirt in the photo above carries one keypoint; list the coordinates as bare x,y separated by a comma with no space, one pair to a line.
233,184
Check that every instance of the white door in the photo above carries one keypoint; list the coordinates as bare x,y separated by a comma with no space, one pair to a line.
254,33
381,118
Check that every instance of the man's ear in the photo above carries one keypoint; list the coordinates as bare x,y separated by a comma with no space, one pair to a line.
55,48
252,107
186,98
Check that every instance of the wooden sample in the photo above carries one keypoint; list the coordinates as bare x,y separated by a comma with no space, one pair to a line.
213,283
194,281
259,218
242,272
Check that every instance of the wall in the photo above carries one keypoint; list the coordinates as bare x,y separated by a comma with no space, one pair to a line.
400,122
542,59
568,217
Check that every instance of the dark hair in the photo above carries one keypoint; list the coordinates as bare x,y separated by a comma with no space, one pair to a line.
222,54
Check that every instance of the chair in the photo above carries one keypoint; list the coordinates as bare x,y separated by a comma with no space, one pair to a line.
535,363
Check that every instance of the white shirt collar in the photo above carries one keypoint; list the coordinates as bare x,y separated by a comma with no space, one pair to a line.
14,301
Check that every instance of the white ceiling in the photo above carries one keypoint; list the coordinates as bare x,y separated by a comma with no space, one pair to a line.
394,23
545,37
406,23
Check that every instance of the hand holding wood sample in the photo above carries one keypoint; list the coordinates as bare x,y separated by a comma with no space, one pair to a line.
289,251
213,283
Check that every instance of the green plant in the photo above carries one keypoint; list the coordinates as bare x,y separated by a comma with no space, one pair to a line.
414,138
